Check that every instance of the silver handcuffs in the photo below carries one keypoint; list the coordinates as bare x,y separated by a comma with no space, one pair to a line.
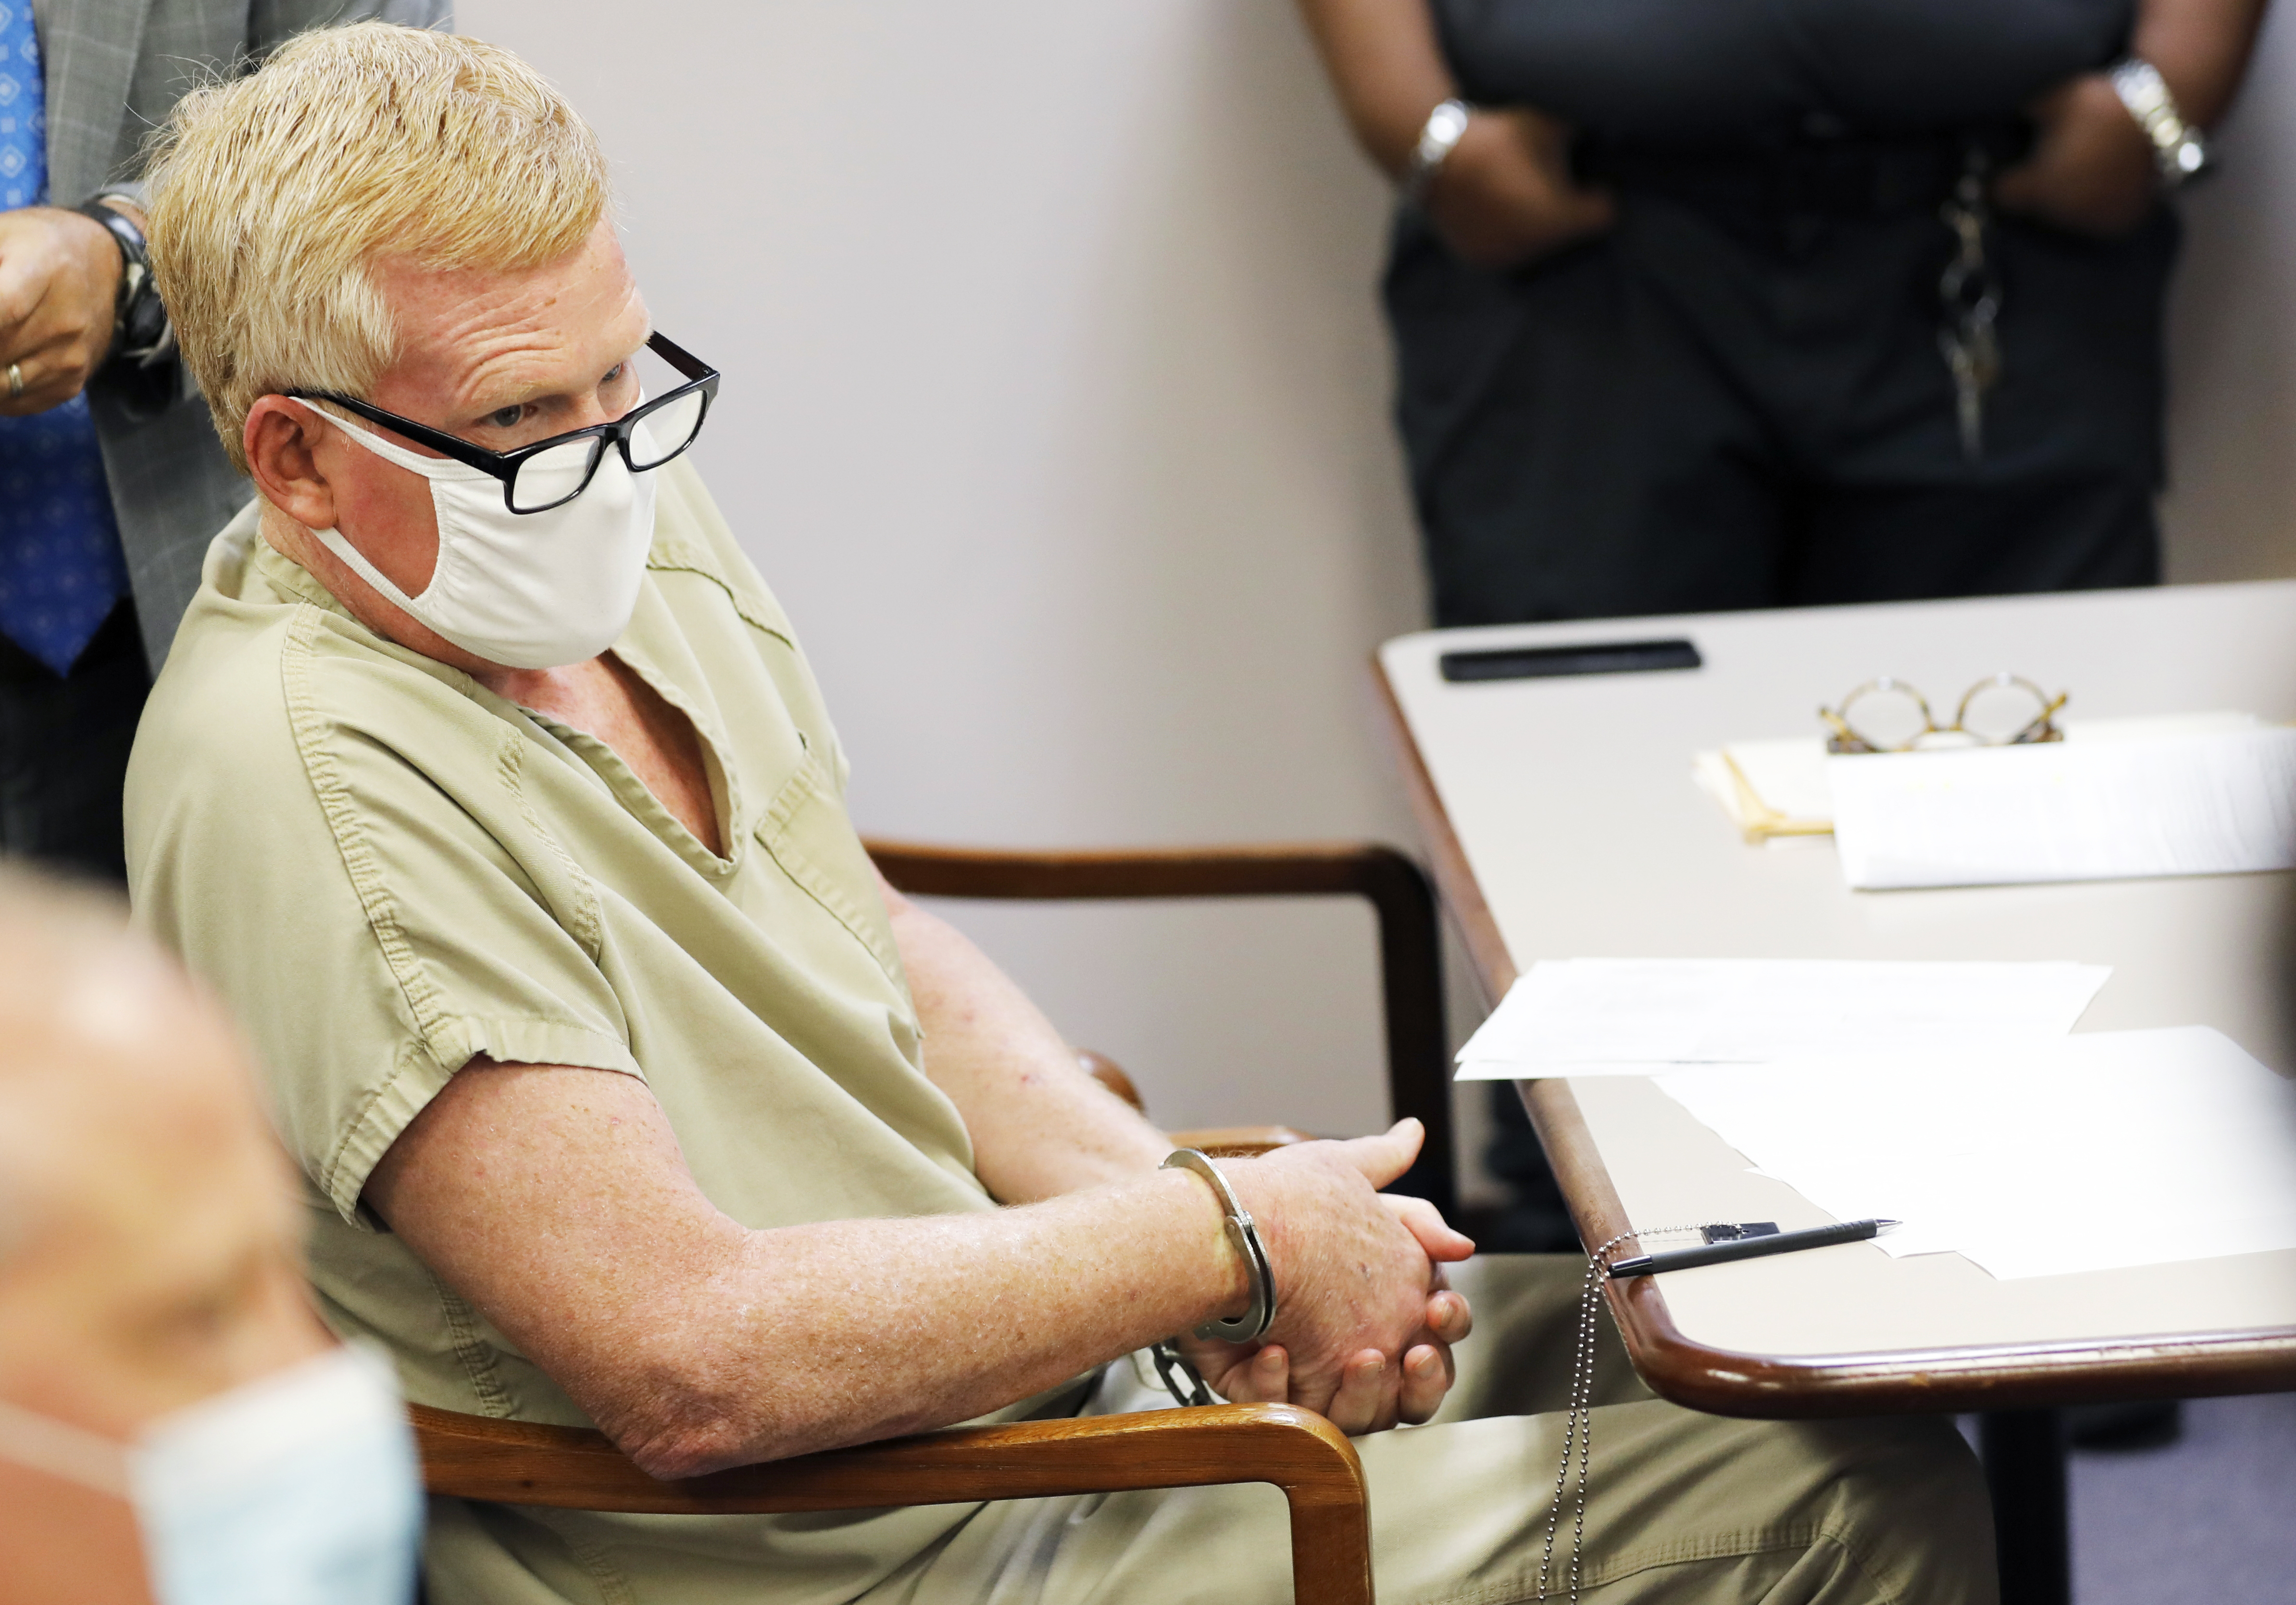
1180,1378
1245,1236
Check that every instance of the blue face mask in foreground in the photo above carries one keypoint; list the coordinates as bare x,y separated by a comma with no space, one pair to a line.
297,1489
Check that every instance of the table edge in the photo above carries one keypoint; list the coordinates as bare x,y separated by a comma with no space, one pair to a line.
1569,631
1910,1381
1455,881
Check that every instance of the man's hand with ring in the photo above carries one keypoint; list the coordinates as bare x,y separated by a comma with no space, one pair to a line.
59,283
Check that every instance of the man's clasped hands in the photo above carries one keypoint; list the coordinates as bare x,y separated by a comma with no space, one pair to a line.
1365,1322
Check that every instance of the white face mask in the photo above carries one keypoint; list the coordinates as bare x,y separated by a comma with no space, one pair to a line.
297,1489
532,590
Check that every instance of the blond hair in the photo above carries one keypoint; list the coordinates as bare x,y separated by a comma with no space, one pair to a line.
274,194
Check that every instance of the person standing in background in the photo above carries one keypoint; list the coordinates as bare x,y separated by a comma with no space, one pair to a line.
1700,307
111,480
1703,306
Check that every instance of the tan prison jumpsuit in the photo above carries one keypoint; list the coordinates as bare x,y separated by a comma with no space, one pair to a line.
385,870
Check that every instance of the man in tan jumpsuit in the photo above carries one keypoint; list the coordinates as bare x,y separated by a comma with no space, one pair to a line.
490,787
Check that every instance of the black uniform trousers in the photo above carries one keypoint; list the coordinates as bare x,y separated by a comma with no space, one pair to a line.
1737,399
64,740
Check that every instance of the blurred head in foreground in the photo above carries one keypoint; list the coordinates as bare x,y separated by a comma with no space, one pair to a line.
175,1423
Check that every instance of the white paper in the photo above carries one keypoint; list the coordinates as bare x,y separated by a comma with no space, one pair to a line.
1788,775
1753,819
1631,1017
2089,810
2089,1153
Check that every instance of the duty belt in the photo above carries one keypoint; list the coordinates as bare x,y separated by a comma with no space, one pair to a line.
1772,187
1844,177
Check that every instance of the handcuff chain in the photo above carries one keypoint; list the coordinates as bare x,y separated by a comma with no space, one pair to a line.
1578,1424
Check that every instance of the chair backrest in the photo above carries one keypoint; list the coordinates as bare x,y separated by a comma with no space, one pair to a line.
1411,961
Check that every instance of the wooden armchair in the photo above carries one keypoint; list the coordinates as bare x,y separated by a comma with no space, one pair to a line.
513,1462
1411,969
516,1462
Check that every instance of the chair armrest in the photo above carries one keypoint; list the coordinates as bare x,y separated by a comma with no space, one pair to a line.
1275,869
1411,970
521,1462
1221,1141
1240,1142
1110,1075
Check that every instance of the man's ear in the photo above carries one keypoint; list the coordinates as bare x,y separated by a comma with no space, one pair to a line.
282,445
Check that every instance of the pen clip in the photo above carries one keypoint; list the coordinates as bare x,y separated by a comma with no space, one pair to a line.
1723,1232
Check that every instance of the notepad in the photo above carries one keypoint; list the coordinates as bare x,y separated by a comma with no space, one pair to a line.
2217,803
2089,1153
1631,1017
1772,791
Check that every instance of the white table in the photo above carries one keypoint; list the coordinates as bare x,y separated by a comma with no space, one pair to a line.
1562,822
1571,802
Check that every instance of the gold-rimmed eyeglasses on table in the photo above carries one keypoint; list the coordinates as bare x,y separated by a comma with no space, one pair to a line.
1888,715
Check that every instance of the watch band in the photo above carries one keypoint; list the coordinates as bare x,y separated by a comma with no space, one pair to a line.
141,331
1245,1237
2178,151
1440,136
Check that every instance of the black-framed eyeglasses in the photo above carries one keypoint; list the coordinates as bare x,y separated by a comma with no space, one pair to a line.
551,473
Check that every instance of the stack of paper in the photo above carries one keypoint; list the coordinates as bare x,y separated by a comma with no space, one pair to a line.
1635,1016
2178,805
2095,1152
1780,790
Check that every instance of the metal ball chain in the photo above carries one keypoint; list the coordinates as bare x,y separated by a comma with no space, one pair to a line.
1578,1425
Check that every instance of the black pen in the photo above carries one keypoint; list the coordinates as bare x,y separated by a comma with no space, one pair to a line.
1751,1245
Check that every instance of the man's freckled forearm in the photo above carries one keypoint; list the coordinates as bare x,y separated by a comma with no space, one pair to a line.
708,1342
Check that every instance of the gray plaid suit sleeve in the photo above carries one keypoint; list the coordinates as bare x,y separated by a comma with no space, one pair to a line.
115,68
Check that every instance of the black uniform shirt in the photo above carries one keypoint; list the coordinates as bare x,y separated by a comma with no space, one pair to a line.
1672,71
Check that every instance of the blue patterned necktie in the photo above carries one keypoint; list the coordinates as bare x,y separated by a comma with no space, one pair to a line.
62,570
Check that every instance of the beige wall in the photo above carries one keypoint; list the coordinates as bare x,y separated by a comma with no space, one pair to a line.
2231,509
1056,411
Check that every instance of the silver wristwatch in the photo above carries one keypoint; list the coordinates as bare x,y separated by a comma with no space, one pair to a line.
2178,151
1445,126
